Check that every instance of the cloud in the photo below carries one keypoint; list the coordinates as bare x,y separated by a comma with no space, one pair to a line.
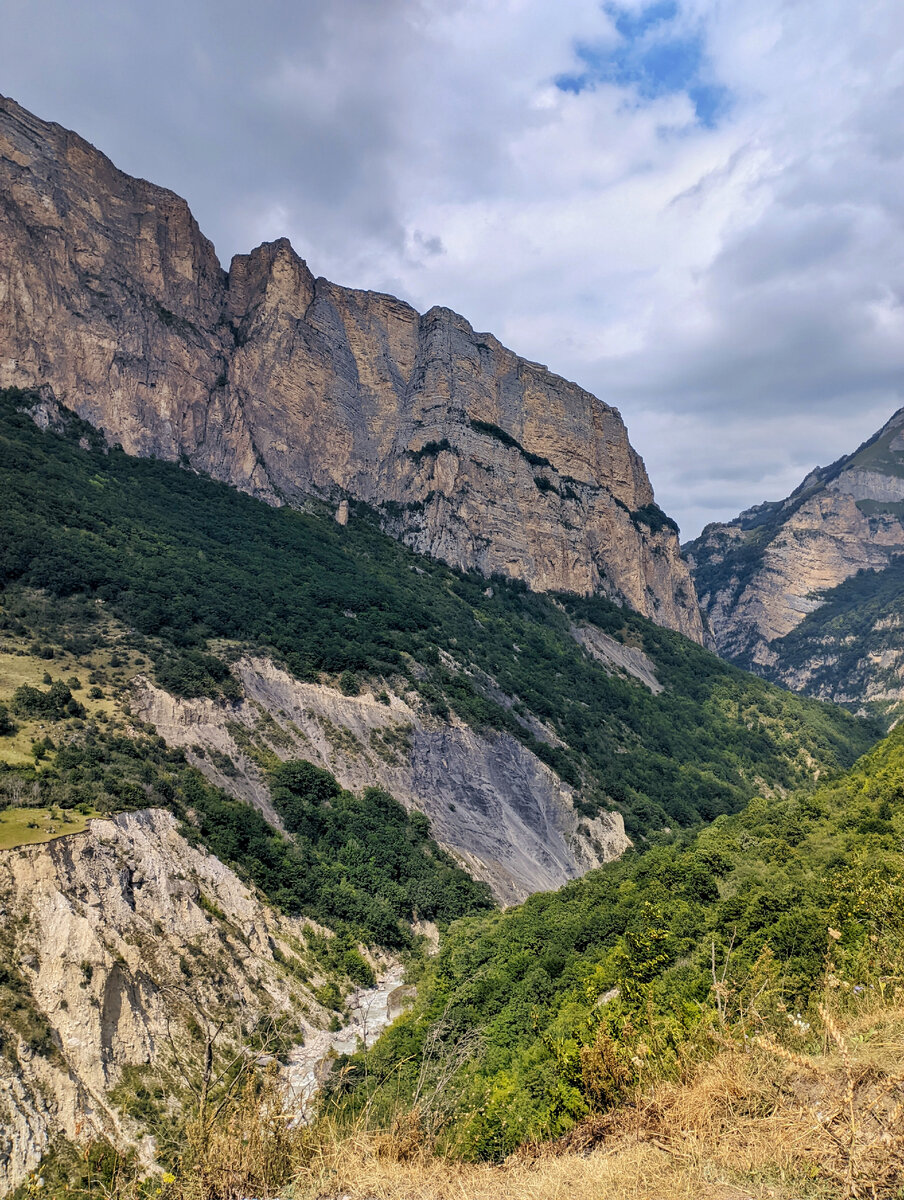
651,52
694,208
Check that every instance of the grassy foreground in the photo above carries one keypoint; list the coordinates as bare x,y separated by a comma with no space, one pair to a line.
750,1119
755,1120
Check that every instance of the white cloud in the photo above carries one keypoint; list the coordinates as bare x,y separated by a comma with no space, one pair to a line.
736,290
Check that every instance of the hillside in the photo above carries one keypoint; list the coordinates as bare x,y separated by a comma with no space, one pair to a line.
287,386
567,1007
135,966
241,695
718,1014
603,711
147,918
805,590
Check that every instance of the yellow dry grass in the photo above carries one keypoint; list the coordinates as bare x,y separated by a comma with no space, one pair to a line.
18,666
754,1121
639,1171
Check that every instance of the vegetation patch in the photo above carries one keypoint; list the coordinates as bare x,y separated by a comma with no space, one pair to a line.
500,435
179,560
559,1010
21,826
654,518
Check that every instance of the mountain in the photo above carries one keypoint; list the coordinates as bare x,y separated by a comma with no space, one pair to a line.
329,633
527,727
808,590
287,386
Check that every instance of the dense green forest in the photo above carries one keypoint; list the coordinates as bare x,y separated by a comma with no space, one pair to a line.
180,559
532,1019
360,864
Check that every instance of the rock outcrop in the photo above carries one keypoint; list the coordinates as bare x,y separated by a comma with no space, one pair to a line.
289,386
504,814
119,938
761,576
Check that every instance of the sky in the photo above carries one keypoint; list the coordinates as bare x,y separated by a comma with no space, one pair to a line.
693,208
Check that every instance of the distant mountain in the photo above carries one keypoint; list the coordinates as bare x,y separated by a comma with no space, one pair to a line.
287,386
809,591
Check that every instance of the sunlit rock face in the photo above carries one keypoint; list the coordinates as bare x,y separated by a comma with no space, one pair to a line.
761,575
287,386
101,927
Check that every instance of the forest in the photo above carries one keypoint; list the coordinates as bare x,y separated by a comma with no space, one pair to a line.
183,561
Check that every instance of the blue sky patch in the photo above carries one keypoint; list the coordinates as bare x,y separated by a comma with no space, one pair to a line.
652,57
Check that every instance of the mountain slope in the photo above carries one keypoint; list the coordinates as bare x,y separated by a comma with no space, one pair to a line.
289,386
774,581
125,949
561,1009
604,710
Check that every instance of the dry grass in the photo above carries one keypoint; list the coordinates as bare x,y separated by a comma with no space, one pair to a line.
638,1170
756,1121
18,666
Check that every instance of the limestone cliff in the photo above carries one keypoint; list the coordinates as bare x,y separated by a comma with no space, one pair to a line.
289,386
773,582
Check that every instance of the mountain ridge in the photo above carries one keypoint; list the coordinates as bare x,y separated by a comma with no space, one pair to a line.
768,578
287,386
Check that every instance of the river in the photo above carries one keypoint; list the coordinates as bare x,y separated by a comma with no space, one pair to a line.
372,1010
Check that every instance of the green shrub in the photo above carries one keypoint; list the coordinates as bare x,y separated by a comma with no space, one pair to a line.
349,683
566,998
56,704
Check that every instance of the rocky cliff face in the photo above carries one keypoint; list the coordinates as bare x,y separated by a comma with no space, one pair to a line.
505,816
769,580
288,386
121,938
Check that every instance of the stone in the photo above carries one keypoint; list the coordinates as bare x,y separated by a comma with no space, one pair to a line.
288,386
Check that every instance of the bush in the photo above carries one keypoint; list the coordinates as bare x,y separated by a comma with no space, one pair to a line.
349,683
54,705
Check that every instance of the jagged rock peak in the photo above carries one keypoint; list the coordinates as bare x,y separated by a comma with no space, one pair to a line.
289,386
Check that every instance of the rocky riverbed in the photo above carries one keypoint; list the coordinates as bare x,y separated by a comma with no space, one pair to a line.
372,1009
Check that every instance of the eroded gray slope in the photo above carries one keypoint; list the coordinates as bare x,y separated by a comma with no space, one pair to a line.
504,814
